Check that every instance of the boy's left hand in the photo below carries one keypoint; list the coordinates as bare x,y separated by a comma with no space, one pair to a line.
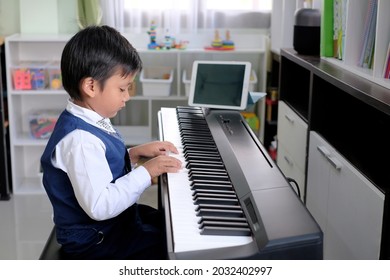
151,149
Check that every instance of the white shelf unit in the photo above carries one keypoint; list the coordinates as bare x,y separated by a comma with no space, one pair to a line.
356,14
138,122
282,34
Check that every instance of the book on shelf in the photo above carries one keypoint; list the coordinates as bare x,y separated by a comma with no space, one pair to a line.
326,46
368,40
386,70
339,23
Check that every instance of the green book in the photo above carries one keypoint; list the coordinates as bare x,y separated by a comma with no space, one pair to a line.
326,47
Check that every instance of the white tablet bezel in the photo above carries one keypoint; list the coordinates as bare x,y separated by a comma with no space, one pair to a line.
245,87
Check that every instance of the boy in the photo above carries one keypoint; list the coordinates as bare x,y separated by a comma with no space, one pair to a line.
87,170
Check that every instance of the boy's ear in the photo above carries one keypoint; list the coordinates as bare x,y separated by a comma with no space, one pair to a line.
89,86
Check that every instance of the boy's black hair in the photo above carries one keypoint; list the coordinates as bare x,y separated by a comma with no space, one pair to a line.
97,52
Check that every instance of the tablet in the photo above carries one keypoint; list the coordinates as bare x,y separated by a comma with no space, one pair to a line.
220,84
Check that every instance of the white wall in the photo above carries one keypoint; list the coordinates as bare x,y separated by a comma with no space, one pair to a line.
38,16
9,17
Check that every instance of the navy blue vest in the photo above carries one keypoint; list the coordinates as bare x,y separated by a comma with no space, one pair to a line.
67,211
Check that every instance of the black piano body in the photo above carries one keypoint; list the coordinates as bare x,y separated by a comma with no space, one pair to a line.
281,226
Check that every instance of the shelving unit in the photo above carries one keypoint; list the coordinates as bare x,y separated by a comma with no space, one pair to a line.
356,14
138,122
346,185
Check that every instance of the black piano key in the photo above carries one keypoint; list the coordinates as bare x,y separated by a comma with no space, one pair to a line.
219,212
181,108
208,230
213,195
190,110
188,134
190,115
200,147
211,177
218,206
208,171
192,132
216,201
223,218
211,187
208,191
197,138
210,184
195,141
227,224
197,157
192,121
200,153
204,166
194,126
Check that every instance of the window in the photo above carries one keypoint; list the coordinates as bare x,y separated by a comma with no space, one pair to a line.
240,5
186,15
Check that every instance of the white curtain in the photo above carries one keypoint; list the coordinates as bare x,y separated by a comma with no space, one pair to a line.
181,16
113,13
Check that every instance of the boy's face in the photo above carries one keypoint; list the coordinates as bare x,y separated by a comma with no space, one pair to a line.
108,101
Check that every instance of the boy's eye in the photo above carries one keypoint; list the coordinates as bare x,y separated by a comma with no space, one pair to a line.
122,90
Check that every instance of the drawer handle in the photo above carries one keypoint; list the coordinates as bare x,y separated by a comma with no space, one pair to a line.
290,119
289,162
332,160
335,163
324,151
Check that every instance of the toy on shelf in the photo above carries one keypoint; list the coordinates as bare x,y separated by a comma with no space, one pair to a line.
22,79
168,43
42,124
217,42
55,81
152,34
228,44
182,45
221,45
38,80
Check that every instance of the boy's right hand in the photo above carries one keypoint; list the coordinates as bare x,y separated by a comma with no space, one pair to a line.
162,164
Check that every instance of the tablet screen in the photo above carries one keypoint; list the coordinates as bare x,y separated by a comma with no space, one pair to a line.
220,84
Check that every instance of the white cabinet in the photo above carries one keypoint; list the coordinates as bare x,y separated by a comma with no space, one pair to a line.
137,123
348,207
292,135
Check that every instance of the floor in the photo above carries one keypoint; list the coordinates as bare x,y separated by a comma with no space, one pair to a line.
26,221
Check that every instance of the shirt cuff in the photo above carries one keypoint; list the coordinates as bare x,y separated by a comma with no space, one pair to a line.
141,176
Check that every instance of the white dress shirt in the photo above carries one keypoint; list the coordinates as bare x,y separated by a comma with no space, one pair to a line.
82,156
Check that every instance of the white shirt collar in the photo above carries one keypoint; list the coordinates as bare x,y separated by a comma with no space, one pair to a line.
90,116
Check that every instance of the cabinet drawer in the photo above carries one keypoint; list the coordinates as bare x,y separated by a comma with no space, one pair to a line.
292,133
291,169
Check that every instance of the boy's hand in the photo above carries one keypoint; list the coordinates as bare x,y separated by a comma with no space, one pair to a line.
162,164
152,149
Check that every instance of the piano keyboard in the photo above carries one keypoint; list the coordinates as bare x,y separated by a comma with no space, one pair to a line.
210,214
